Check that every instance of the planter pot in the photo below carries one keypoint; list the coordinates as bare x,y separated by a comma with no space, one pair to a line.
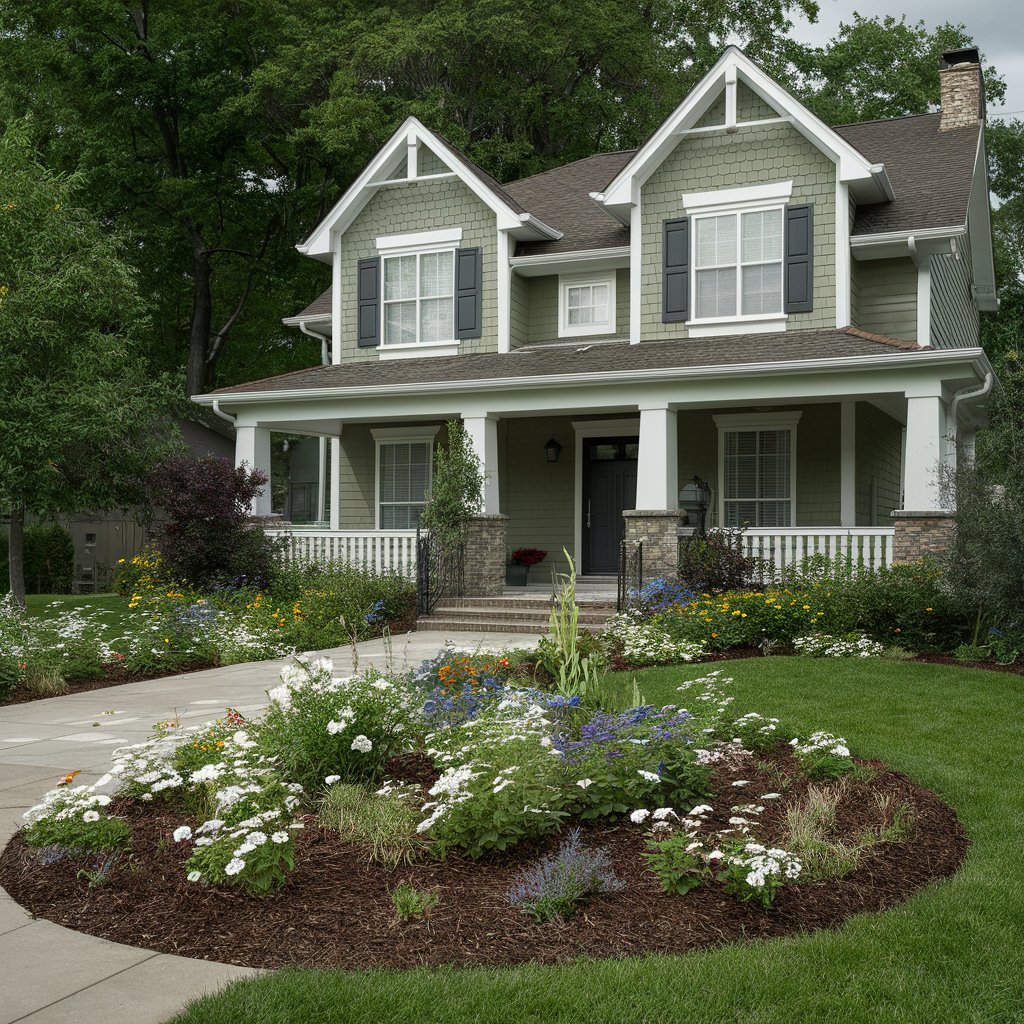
516,575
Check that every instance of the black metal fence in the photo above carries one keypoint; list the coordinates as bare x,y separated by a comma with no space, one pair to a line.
440,572
631,574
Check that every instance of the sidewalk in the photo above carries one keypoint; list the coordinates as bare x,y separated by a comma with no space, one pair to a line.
51,974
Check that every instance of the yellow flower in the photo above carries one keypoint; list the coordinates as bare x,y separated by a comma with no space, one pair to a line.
807,607
927,609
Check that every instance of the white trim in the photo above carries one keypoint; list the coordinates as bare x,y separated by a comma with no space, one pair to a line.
852,165
729,199
924,302
636,273
335,513
336,305
504,294
546,259
848,462
844,295
730,97
399,435
418,350
731,422
567,281
412,152
407,347
753,324
420,239
919,234
583,429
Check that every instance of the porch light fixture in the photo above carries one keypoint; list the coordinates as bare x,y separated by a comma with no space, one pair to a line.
703,501
552,448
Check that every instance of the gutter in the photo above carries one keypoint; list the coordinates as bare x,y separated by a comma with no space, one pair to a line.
973,393
216,409
529,221
904,358
324,353
548,258
903,237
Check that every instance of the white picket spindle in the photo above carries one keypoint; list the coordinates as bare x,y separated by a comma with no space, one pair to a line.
380,550
862,547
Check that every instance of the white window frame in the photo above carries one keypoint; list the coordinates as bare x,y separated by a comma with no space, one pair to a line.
400,435
734,422
735,202
567,281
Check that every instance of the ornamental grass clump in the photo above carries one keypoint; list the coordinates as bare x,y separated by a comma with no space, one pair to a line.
556,885
384,822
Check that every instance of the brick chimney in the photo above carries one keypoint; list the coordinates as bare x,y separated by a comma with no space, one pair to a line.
961,90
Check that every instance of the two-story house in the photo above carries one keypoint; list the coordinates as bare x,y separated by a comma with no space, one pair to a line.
784,310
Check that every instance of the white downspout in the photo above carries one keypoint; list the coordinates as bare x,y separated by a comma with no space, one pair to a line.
217,411
968,394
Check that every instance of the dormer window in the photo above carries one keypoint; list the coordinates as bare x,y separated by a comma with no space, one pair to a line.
419,298
738,263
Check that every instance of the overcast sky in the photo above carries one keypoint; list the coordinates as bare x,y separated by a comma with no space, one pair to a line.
997,27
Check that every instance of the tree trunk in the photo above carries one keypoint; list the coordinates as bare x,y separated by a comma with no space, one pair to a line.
16,555
197,373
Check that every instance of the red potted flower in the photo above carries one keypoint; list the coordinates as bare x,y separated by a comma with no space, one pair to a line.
517,572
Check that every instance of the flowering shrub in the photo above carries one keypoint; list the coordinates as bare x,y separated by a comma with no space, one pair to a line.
639,758
753,872
555,885
657,595
141,573
820,645
640,643
460,685
822,755
527,556
75,819
320,725
755,732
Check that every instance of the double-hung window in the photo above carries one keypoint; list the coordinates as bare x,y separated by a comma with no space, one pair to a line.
404,461
586,305
757,462
419,298
738,264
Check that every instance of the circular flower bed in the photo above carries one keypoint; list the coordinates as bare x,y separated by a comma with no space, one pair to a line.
449,816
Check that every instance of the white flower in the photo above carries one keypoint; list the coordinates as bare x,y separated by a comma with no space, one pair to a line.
182,833
103,780
740,782
363,744
257,838
194,876
664,812
335,727
700,810
770,796
649,776
91,816
330,780
640,816
234,866
279,837
583,783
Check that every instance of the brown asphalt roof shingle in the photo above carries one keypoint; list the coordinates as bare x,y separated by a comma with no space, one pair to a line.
931,172
587,358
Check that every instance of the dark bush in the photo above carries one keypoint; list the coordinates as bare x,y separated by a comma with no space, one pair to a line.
49,560
210,539
715,562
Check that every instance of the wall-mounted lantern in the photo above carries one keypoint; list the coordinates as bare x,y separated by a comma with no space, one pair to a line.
552,448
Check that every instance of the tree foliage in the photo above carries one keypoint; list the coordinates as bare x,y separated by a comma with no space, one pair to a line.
80,414
456,489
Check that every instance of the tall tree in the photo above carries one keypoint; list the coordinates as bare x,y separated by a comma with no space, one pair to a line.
80,414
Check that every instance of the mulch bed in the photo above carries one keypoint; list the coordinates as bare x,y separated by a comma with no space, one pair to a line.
1017,668
336,911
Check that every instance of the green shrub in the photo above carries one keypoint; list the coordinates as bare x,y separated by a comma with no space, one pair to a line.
715,562
410,902
383,822
49,560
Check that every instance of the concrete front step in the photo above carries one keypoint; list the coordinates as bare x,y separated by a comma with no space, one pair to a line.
466,625
505,614
524,604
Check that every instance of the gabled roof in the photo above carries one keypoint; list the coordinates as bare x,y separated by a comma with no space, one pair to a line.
732,67
587,360
931,172
510,215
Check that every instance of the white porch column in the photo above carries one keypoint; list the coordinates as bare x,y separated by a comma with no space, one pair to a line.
483,435
335,456
924,452
657,474
252,447
848,463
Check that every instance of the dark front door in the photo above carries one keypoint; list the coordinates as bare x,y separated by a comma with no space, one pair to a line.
609,488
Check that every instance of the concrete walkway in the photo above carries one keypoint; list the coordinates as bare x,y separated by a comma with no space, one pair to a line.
50,974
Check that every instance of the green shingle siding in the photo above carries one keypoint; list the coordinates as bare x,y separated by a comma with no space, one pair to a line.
879,440
420,206
751,156
430,163
884,297
954,315
749,107
537,311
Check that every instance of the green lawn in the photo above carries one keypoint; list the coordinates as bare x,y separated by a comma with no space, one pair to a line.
48,606
948,955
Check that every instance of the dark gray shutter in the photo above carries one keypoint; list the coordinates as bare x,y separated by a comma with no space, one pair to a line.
368,303
675,271
469,268
799,270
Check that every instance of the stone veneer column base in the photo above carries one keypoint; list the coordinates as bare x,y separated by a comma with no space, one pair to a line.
919,534
658,529
485,556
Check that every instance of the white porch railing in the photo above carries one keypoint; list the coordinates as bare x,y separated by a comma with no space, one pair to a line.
867,547
380,550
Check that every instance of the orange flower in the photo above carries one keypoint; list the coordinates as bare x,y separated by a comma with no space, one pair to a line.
69,778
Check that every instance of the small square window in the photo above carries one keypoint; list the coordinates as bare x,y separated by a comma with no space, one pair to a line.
586,306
